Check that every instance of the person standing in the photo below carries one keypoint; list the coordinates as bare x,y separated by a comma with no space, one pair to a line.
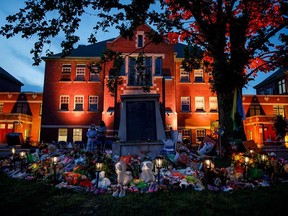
91,135
101,136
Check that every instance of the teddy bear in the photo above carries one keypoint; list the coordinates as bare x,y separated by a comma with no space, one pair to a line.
146,172
124,177
103,183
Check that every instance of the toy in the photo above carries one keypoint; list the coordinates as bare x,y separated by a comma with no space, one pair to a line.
147,174
123,178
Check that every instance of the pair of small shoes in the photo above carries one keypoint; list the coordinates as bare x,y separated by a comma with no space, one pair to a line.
153,187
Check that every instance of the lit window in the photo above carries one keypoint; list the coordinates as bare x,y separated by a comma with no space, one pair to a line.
64,102
199,104
185,104
279,110
184,76
282,86
93,103
79,101
80,72
198,75
77,134
200,134
62,134
2,126
66,72
213,104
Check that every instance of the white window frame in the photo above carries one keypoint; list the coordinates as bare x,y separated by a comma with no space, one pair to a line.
185,104
80,72
198,75
184,76
199,104
66,72
78,100
200,135
213,104
64,99
93,100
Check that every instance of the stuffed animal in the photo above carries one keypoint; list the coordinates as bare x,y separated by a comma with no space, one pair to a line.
123,178
103,181
147,174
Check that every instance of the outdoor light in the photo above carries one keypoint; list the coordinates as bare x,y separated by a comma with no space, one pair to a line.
54,163
208,164
99,167
263,158
159,164
251,152
13,151
22,158
246,163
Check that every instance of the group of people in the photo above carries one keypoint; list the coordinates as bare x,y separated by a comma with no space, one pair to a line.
96,137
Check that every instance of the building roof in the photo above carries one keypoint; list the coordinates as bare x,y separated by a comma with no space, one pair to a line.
5,75
276,75
96,50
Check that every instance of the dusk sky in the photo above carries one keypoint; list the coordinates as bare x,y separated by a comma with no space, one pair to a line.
17,60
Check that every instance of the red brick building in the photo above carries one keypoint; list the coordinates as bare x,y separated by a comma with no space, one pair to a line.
20,112
74,97
261,109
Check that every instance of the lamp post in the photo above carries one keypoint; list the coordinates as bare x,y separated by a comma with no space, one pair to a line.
246,163
13,151
159,164
54,164
98,167
22,158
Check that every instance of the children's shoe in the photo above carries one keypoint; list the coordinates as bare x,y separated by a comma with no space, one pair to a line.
121,193
116,193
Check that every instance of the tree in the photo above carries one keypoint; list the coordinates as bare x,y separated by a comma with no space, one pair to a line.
234,36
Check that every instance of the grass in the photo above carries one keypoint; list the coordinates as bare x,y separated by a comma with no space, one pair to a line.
21,197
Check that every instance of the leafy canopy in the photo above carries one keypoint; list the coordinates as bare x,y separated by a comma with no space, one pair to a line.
232,34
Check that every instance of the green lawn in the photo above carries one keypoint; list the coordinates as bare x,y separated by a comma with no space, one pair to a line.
22,197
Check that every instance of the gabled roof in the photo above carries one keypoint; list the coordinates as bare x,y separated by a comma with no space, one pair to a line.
5,75
275,76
